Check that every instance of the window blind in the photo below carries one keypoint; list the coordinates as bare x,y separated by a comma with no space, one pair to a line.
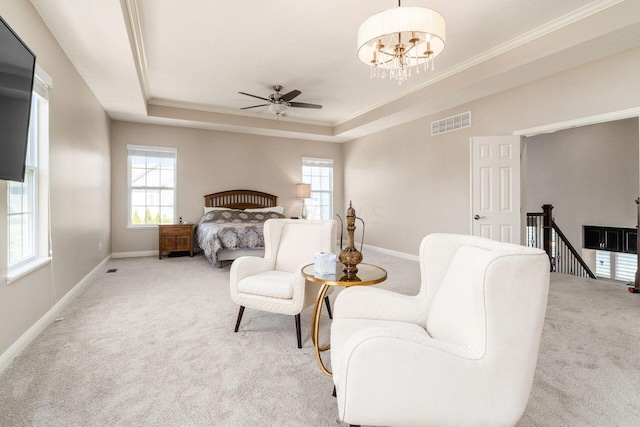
603,264
626,266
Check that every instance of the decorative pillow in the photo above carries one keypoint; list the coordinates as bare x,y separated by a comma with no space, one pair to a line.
238,216
208,209
276,209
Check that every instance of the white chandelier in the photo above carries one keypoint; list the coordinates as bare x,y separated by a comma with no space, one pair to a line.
396,40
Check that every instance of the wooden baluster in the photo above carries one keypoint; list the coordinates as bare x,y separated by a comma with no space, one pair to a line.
635,289
546,229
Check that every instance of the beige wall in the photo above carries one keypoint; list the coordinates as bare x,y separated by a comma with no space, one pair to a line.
589,174
210,161
79,180
407,184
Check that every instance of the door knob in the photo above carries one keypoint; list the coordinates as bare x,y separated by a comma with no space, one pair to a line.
477,217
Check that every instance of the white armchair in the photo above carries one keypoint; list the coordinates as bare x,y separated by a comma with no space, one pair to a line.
461,352
274,283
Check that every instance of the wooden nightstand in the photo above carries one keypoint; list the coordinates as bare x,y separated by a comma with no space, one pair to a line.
175,238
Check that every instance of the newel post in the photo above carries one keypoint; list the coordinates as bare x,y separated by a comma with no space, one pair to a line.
547,220
636,284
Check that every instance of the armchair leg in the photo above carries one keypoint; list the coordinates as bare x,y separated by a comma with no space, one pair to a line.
240,313
298,334
326,301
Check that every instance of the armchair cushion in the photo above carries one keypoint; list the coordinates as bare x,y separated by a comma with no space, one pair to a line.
274,284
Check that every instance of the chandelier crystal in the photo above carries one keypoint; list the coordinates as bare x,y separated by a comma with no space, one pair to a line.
397,40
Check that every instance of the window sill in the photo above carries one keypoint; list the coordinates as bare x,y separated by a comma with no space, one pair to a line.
142,227
23,270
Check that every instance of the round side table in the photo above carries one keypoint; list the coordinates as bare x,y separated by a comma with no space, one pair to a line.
367,274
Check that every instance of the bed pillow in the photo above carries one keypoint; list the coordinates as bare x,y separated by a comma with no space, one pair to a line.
276,209
208,209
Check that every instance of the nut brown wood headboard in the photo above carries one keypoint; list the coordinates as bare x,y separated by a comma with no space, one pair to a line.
240,199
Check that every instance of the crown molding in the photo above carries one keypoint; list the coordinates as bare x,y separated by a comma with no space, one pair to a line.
218,110
583,121
132,18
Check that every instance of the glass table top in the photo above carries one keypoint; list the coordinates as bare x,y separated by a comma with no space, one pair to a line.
368,274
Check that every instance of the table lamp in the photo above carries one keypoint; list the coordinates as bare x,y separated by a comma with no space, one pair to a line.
303,191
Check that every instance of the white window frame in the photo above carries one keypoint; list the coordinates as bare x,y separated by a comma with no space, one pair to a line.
314,207
150,149
30,192
37,168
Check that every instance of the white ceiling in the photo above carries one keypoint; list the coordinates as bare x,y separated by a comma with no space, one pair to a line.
184,62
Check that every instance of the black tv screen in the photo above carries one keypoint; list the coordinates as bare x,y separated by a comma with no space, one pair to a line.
17,65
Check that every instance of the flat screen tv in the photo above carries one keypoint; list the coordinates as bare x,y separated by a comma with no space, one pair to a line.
17,65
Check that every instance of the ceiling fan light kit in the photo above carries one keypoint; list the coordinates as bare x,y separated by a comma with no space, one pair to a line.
396,40
278,103
278,109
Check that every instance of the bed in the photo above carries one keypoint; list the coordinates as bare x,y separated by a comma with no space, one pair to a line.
232,224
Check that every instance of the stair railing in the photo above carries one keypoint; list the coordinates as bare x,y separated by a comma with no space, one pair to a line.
543,232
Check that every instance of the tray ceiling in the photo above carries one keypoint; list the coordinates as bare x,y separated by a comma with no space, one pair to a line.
184,62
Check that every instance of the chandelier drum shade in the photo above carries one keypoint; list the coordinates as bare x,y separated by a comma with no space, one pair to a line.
401,38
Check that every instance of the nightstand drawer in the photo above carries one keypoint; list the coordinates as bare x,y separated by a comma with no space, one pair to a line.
182,229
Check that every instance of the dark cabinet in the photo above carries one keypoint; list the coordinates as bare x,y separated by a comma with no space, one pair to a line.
612,239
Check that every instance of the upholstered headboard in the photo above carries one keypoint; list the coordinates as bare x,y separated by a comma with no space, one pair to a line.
240,199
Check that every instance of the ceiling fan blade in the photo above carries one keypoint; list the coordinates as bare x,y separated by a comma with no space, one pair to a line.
305,105
255,96
289,96
254,106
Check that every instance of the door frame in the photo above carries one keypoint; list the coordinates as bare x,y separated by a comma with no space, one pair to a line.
516,181
550,128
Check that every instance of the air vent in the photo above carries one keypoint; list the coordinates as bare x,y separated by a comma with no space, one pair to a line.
112,270
451,123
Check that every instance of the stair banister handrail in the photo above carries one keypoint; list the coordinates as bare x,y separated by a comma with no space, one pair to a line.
566,241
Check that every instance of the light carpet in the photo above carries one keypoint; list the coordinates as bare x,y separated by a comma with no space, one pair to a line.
153,344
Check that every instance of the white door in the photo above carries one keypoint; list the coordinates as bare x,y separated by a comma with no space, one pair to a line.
495,188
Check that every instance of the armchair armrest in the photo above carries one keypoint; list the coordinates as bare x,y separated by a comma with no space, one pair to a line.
379,304
439,381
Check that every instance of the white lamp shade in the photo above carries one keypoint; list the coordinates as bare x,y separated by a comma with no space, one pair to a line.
426,23
303,191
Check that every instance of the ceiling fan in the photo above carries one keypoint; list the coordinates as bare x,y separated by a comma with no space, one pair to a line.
278,103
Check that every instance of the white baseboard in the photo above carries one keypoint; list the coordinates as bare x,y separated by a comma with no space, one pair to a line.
402,255
12,352
133,254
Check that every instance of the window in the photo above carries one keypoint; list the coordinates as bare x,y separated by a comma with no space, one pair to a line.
319,173
616,265
626,266
152,185
22,196
25,216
